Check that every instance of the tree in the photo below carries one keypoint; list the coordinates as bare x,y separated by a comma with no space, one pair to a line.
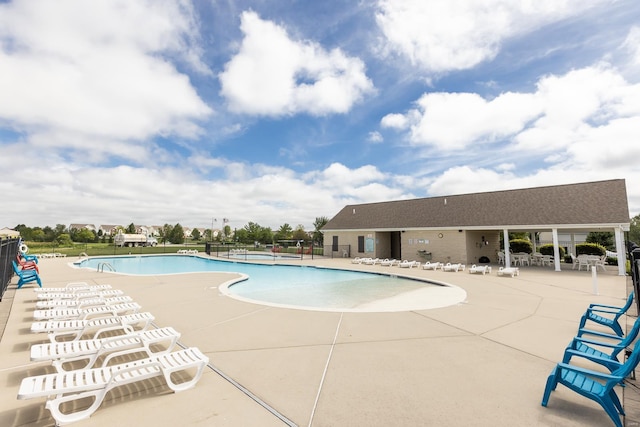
131,229
299,233
165,233
37,235
283,233
318,236
226,231
634,230
195,234
177,234
84,235
602,238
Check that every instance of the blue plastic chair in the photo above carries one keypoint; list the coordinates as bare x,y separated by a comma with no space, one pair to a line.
595,311
597,386
28,257
600,351
26,276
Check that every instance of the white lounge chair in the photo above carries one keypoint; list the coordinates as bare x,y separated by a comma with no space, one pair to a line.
86,313
94,384
82,302
74,287
432,265
508,271
389,262
372,261
358,260
409,264
78,328
107,293
162,340
484,269
453,267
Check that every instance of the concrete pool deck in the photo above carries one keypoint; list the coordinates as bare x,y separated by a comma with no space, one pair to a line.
483,362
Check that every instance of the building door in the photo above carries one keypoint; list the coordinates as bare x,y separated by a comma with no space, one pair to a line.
396,245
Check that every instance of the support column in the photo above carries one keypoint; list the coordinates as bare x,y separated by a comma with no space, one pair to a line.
507,252
556,250
621,251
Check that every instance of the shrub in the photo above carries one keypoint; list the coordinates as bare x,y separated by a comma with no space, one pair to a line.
548,250
590,249
521,245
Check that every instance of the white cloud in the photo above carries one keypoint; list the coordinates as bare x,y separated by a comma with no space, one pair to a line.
375,137
95,72
395,121
632,45
564,110
273,75
439,36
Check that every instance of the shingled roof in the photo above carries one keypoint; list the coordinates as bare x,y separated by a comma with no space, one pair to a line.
597,204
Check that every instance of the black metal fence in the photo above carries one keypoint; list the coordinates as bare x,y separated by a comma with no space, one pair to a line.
250,252
337,251
634,261
8,252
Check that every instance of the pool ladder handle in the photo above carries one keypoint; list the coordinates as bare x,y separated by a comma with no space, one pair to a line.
102,265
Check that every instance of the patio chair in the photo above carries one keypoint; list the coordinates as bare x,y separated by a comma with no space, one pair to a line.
27,265
26,276
82,302
607,315
388,262
86,313
408,264
484,269
76,329
601,262
108,293
599,351
580,261
79,385
431,265
74,287
597,386
152,341
508,271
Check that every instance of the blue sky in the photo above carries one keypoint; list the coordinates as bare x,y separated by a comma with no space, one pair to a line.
275,112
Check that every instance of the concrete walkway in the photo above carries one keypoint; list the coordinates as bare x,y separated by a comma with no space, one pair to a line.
483,362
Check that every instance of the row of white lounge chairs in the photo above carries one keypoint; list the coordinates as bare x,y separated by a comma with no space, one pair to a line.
454,267
99,340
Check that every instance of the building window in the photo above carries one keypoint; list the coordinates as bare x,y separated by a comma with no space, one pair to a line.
360,244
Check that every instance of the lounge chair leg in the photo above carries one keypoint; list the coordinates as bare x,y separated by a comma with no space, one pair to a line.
551,386
61,418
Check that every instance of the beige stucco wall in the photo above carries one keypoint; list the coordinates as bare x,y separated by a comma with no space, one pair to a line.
454,246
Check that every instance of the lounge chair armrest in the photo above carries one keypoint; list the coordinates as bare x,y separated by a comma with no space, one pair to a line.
605,360
583,331
602,310
596,342
595,306
589,372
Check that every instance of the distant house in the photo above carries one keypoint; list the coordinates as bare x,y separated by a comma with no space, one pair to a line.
466,228
91,227
110,229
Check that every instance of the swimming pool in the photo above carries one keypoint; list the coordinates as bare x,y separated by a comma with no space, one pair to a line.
292,286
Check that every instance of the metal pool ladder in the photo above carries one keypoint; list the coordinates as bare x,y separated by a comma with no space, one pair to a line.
103,265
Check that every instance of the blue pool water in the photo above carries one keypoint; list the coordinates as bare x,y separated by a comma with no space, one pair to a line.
297,286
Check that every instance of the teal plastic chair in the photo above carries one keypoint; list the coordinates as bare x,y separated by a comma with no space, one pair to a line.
598,350
597,386
607,315
26,276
